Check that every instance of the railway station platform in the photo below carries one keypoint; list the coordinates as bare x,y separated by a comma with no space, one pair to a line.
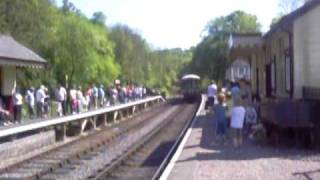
198,158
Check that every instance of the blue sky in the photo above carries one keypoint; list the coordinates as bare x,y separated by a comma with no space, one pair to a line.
174,23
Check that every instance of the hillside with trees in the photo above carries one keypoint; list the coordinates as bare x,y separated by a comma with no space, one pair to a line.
82,50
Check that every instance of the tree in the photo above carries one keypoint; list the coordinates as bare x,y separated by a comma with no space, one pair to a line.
83,52
99,18
131,52
238,21
140,64
33,24
210,57
287,6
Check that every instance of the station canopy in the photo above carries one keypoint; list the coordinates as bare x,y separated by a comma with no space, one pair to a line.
13,53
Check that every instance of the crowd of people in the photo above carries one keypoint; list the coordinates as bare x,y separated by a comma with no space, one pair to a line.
60,101
242,114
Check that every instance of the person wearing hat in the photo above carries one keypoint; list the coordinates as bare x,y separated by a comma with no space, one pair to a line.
29,98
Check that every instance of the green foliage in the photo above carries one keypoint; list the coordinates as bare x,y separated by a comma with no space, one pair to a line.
210,56
238,21
73,45
83,52
99,18
140,64
80,51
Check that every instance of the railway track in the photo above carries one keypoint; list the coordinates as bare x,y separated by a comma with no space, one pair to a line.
40,165
94,156
142,160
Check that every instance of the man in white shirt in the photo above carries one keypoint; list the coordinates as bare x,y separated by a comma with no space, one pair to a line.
73,99
40,96
17,101
62,98
30,101
212,92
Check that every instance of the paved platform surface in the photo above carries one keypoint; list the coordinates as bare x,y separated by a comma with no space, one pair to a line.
201,160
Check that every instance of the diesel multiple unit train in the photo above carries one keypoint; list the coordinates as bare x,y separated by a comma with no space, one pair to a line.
190,87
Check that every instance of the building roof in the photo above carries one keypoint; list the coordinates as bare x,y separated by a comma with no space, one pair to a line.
244,40
13,53
290,18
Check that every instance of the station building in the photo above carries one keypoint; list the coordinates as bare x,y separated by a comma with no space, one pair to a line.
246,55
13,56
284,62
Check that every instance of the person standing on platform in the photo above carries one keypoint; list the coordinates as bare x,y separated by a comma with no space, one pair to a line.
73,99
58,103
40,96
250,119
17,102
237,121
95,95
220,118
46,104
245,92
212,91
101,95
235,91
82,104
88,96
29,98
4,114
63,99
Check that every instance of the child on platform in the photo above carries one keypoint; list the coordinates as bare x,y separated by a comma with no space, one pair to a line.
237,121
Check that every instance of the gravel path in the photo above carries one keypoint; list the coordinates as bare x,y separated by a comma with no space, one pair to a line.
200,160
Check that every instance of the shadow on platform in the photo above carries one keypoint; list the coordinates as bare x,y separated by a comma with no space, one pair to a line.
249,149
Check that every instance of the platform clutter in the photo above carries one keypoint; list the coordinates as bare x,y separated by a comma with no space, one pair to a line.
235,109
201,156
44,102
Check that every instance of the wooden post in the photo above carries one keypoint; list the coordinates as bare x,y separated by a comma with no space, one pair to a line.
83,125
105,119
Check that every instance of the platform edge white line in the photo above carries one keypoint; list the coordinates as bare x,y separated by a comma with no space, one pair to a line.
176,156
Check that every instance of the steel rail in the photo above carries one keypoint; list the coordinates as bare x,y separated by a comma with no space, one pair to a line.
127,154
116,163
178,144
102,142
